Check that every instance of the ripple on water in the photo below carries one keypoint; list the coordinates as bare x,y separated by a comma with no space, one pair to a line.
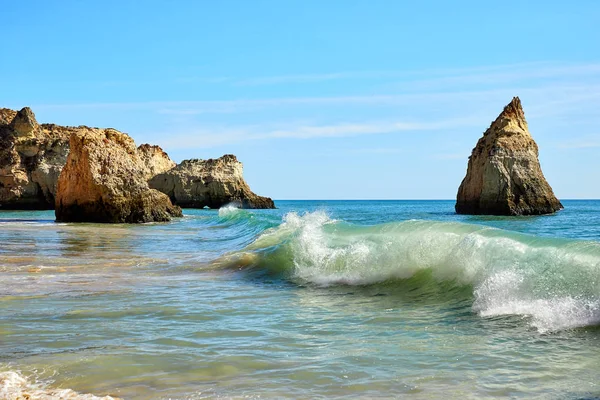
142,312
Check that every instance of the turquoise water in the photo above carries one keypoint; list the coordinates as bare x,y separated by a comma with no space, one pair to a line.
317,299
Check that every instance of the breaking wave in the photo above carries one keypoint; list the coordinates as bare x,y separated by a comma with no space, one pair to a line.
555,283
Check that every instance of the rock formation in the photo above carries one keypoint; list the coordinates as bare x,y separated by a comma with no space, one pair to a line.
504,176
6,116
31,158
209,183
104,180
155,160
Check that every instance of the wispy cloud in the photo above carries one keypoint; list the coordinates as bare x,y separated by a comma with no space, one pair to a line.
585,143
522,74
301,78
450,156
379,150
564,94
482,73
203,137
424,101
433,77
390,79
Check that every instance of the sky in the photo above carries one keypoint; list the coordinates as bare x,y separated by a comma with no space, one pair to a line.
335,99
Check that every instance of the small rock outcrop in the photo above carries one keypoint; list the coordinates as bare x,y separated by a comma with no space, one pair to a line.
504,176
209,183
155,160
6,116
31,158
104,180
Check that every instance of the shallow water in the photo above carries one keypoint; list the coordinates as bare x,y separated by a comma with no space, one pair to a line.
317,299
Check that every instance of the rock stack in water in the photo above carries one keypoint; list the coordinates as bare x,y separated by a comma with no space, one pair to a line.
105,180
209,183
504,176
31,158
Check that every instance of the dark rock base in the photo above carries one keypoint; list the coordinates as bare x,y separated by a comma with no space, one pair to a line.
139,209
539,208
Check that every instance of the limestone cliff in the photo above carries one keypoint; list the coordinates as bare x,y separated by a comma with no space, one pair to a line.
104,180
6,116
31,158
504,176
209,183
155,160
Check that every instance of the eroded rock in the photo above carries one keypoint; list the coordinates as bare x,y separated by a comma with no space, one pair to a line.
155,160
104,180
33,155
31,158
209,183
504,176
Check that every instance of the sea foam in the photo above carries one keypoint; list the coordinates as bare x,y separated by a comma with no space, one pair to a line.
554,283
15,386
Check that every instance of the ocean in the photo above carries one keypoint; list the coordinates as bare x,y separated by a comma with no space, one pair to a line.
316,299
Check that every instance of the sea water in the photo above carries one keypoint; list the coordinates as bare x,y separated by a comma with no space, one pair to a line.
316,299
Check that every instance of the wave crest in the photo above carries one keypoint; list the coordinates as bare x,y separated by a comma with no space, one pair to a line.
554,282
229,210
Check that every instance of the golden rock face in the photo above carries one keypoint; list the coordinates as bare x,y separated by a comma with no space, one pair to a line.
107,175
105,180
31,158
209,183
155,160
504,176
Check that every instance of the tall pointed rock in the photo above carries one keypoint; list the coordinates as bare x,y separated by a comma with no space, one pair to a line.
504,176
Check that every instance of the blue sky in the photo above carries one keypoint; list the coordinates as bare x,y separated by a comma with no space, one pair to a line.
319,99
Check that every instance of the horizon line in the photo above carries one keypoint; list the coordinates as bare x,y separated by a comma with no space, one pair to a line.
564,199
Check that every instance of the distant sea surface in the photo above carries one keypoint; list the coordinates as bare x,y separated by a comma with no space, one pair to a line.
316,299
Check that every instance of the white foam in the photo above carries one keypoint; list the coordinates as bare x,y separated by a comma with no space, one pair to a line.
228,210
13,386
506,293
554,283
